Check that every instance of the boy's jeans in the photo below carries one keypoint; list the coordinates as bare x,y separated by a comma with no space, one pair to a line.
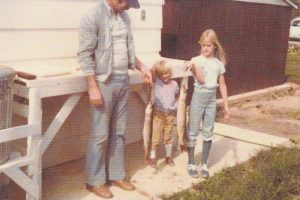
105,156
202,108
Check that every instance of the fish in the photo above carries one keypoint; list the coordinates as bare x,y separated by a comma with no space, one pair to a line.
147,129
182,115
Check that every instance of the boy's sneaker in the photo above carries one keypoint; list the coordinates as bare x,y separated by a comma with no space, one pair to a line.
204,171
169,160
192,170
152,162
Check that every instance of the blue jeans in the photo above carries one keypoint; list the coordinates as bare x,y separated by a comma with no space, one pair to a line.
202,109
105,156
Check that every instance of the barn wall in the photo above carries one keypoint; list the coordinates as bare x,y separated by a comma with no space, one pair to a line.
255,37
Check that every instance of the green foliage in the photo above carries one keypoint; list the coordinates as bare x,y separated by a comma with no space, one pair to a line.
271,175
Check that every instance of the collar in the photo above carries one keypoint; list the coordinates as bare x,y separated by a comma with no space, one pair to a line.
159,82
109,9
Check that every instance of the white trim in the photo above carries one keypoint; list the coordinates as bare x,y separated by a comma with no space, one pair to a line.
17,162
272,2
151,2
292,4
249,136
23,181
19,132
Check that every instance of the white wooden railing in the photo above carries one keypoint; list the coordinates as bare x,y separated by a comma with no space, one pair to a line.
30,183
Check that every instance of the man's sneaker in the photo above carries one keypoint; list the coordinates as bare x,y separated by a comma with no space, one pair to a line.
152,162
204,171
192,170
169,160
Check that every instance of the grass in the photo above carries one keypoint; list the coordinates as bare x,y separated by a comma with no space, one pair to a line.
272,174
292,70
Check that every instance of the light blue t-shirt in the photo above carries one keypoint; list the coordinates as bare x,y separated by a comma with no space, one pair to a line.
212,68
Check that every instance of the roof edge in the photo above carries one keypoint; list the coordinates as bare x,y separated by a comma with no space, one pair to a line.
291,3
272,2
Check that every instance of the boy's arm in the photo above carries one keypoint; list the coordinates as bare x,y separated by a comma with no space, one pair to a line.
177,92
177,96
223,90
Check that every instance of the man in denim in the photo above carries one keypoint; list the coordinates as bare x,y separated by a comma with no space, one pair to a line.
106,52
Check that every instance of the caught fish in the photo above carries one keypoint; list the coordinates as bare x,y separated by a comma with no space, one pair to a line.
181,114
147,129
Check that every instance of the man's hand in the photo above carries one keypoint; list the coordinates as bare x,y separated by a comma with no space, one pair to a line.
147,76
146,73
95,96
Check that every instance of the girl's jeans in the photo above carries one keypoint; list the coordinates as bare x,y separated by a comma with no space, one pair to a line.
105,156
202,109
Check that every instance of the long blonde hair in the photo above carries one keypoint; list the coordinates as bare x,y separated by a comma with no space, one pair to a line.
211,36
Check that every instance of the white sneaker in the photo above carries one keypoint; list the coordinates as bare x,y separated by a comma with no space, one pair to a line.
192,170
204,171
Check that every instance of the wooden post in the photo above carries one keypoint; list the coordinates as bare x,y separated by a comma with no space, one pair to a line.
12,167
34,142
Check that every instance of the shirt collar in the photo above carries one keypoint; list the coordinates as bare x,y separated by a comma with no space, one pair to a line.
159,82
109,9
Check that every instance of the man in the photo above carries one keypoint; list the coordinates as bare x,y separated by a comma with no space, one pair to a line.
106,51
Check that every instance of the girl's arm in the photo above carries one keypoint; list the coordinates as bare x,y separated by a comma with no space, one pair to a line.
196,71
223,90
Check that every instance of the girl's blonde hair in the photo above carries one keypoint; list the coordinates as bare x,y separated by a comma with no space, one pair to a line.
211,36
161,67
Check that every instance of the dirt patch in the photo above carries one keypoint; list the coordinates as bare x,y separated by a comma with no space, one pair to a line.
275,113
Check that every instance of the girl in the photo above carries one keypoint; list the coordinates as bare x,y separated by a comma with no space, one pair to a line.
208,69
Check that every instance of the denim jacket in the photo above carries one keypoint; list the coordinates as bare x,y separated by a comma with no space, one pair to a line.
95,43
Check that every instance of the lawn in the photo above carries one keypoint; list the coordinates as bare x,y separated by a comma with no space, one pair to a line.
292,69
271,175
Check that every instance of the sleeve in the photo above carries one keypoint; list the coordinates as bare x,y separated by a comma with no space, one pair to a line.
131,52
222,69
88,34
198,62
193,59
